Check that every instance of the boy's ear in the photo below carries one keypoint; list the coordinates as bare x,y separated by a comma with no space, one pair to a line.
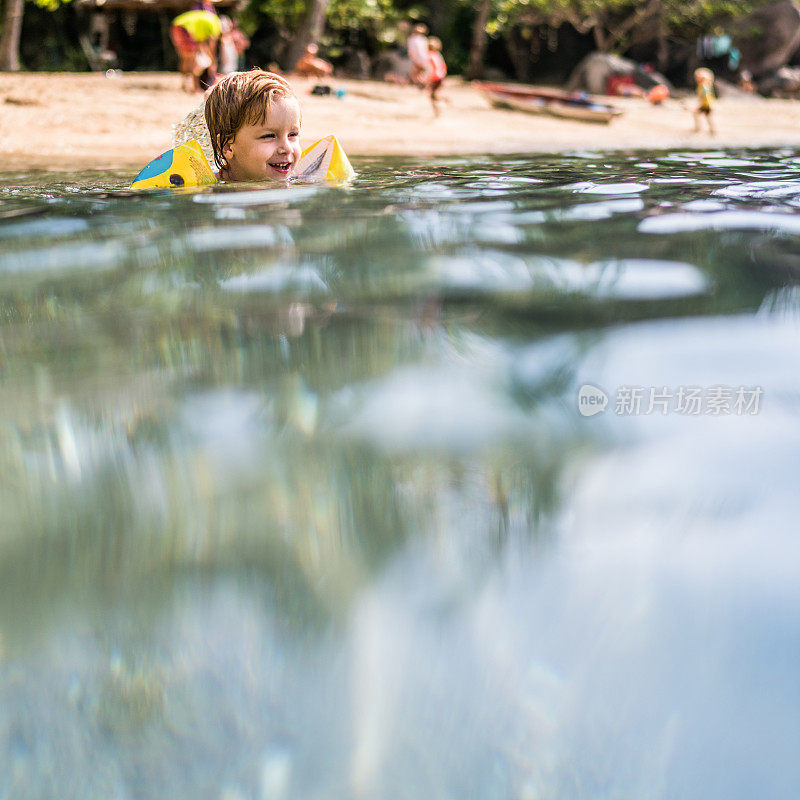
225,147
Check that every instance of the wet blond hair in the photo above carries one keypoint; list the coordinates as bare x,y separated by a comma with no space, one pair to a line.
239,99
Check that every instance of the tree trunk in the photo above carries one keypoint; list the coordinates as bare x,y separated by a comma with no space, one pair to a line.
475,68
601,41
438,14
9,40
618,36
662,48
518,55
310,31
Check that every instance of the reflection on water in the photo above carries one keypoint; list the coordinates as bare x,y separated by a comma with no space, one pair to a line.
296,499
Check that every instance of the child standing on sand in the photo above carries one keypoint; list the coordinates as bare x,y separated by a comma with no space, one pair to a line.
254,121
704,78
437,70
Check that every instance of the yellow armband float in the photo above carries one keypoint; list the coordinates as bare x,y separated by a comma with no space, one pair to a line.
324,160
186,165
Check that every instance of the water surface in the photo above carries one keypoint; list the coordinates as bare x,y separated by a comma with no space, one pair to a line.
298,497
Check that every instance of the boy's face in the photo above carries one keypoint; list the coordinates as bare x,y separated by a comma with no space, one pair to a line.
269,150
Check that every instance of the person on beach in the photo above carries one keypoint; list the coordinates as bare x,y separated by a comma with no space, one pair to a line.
311,66
704,78
437,71
254,121
745,82
228,54
195,34
418,53
241,42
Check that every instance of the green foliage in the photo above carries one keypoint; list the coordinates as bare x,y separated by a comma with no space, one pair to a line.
373,24
676,11
688,17
50,5
378,17
285,14
702,15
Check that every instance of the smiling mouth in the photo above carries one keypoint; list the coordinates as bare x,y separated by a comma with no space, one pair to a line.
283,166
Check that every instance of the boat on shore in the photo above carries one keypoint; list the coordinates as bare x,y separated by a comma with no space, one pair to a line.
556,103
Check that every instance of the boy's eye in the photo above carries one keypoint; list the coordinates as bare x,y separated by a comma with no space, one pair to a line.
294,133
267,136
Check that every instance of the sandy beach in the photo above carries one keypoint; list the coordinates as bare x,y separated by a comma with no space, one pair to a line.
78,121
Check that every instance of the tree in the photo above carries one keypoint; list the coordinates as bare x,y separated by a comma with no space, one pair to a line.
9,39
336,23
12,31
475,68
609,22
614,23
310,31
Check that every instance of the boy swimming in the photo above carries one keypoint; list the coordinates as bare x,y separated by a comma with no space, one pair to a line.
250,127
254,121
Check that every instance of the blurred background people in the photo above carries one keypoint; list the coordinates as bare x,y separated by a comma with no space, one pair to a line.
437,71
704,78
311,66
418,53
228,55
241,42
194,35
232,46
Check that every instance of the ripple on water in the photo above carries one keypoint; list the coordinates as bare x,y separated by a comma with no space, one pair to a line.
722,221
596,211
44,228
636,279
269,195
762,190
611,279
588,187
239,237
278,278
66,257
451,410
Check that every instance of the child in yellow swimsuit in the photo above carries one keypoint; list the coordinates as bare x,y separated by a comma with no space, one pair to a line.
704,78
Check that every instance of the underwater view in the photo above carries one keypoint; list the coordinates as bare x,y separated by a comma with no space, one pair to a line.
475,478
